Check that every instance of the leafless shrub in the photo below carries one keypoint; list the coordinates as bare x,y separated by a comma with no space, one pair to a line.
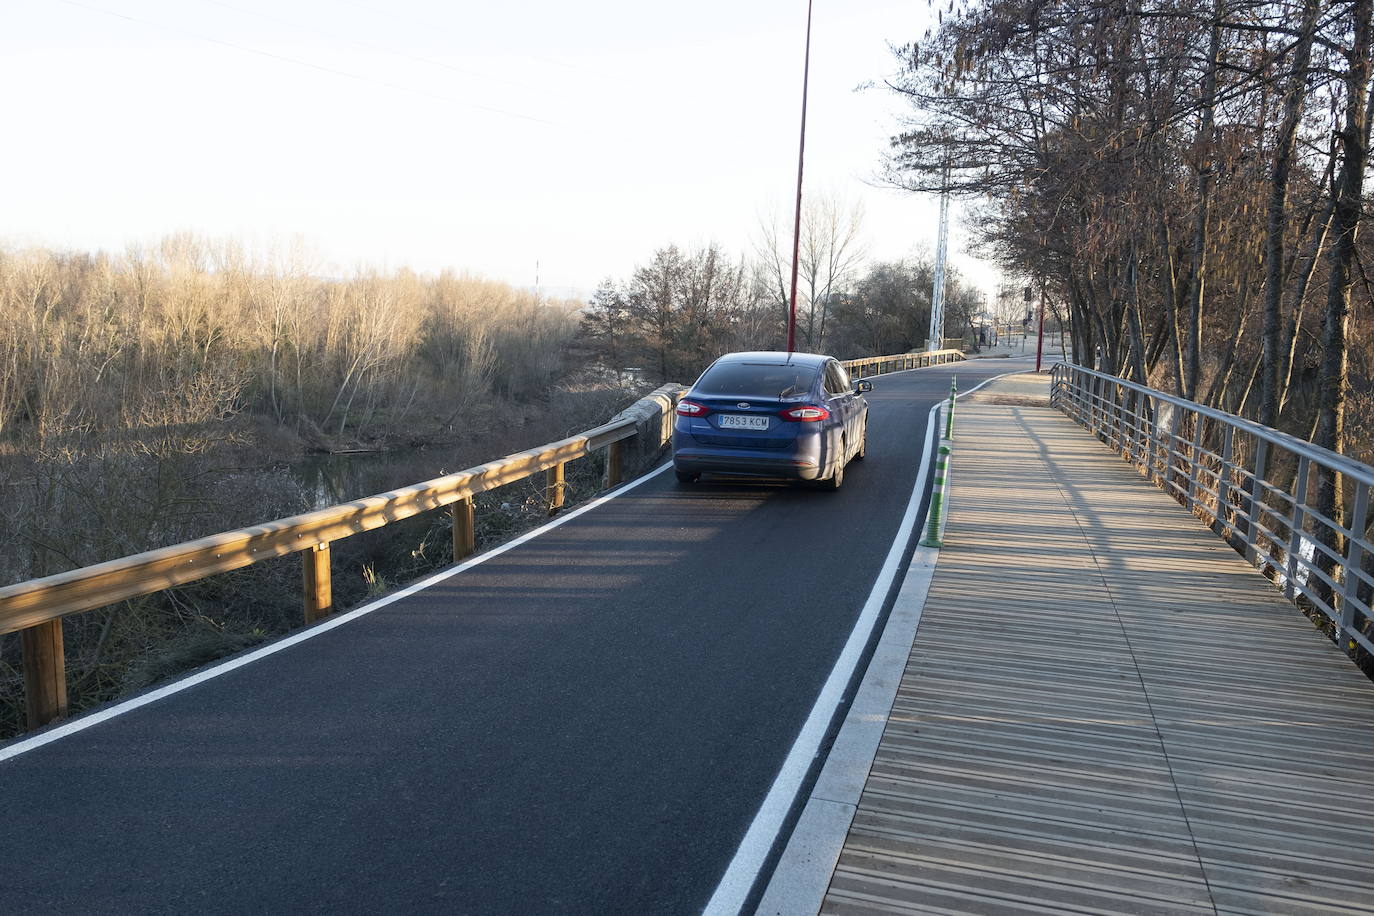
150,398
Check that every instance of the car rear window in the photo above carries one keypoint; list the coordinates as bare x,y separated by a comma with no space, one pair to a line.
758,379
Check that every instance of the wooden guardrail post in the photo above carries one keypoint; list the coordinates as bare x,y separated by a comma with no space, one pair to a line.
615,463
553,492
319,593
45,673
464,529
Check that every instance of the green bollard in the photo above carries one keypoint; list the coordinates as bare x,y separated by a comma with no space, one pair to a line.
949,416
935,518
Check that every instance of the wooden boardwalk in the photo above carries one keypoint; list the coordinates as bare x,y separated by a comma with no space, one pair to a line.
1107,711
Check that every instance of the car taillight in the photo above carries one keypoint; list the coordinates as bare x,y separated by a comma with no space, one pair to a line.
807,414
691,409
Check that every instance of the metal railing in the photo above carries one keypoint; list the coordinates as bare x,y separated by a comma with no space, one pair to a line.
1254,486
36,607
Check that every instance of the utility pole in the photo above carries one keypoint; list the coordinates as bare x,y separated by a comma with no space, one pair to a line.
796,224
936,340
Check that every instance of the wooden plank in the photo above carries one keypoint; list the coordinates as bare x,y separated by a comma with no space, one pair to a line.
1106,710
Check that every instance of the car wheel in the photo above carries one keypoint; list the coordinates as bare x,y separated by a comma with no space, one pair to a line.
834,481
863,444
685,477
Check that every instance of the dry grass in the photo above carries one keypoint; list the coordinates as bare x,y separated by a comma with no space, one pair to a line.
153,397
189,334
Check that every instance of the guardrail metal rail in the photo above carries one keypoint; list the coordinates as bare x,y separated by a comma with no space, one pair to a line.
1251,484
36,607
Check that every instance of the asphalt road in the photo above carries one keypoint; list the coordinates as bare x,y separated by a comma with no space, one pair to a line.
585,723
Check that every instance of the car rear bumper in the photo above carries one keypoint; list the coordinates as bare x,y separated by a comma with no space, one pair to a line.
752,464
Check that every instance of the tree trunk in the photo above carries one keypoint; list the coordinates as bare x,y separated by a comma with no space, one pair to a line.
1335,369
1175,339
1136,330
1205,181
1276,223
1219,384
1297,304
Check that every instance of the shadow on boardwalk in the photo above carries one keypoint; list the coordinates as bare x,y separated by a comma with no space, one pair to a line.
1107,710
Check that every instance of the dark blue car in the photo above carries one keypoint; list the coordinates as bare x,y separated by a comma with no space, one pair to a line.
790,415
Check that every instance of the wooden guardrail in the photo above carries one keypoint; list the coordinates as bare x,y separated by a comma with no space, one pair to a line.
36,607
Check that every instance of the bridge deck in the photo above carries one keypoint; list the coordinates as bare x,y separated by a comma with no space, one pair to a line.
1107,710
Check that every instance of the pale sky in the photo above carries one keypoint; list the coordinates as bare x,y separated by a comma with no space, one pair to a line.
481,136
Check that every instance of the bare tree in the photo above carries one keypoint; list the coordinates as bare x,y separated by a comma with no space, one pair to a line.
831,253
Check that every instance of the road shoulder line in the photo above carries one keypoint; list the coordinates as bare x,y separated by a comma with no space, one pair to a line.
72,726
802,876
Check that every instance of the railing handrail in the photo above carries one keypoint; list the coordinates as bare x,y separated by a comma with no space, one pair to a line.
1343,463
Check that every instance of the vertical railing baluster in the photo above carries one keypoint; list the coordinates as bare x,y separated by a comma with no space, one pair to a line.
1219,518
1254,508
1354,557
1194,461
1140,447
1082,403
1119,414
1094,400
1148,410
1156,439
1172,451
1295,525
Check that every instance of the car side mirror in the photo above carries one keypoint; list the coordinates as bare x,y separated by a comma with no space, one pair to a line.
861,386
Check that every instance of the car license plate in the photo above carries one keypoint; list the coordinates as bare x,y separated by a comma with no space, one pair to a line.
735,421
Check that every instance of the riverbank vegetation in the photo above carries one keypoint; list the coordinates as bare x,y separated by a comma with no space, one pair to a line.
168,393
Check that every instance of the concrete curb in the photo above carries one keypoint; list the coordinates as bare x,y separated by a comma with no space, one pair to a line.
803,874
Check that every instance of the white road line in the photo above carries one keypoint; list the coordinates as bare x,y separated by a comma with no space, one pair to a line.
200,677
743,870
